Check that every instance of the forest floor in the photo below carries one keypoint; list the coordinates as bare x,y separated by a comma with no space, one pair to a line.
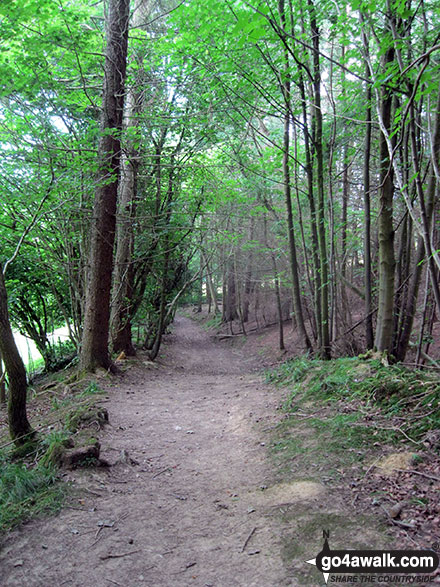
192,495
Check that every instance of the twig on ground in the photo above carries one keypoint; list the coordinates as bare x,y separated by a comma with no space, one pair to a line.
188,566
391,428
371,467
306,416
246,542
433,477
92,492
396,522
164,471
160,472
107,556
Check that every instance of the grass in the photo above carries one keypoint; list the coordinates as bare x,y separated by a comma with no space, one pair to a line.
27,491
337,410
29,480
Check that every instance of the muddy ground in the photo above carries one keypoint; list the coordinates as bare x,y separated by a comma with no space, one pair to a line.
192,496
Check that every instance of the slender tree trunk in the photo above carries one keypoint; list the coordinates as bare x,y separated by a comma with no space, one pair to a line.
309,271
313,216
94,351
123,278
224,291
344,229
317,114
239,304
166,263
277,288
231,295
385,315
2,383
19,426
248,275
200,287
210,284
367,220
411,306
162,308
296,288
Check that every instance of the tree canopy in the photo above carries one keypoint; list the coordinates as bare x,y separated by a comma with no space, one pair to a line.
278,159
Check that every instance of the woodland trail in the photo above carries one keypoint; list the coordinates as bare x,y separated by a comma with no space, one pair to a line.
186,507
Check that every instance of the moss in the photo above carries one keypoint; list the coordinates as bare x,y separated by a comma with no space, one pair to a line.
84,416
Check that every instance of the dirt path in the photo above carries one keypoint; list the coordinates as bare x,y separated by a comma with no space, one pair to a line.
191,508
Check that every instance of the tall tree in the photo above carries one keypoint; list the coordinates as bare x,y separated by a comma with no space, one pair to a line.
318,144
296,288
94,349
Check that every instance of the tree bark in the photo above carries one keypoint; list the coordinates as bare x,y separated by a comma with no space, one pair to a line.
210,285
94,350
411,306
2,383
231,295
296,288
123,278
385,315
367,221
19,427
325,350
248,274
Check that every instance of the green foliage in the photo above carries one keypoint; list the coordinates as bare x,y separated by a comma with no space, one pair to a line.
29,475
393,391
213,323
92,389
53,445
27,491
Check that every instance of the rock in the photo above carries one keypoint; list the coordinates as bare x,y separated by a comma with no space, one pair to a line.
395,511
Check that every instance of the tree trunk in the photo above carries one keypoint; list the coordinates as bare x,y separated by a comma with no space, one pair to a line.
210,284
94,351
231,296
296,288
325,350
313,216
162,308
277,288
200,287
411,306
248,275
123,278
19,426
2,383
367,222
385,317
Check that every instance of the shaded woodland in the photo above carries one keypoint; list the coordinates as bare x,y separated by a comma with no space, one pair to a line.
277,160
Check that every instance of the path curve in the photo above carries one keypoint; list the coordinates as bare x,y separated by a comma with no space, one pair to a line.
181,506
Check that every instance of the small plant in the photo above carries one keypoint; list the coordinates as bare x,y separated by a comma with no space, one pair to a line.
213,323
92,389
54,444
26,491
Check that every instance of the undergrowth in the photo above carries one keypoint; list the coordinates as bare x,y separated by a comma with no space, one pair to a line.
29,479
27,491
353,404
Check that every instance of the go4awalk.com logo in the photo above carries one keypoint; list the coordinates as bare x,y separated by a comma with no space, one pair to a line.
376,566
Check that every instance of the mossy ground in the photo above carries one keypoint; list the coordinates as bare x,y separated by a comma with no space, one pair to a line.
339,417
29,476
354,404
